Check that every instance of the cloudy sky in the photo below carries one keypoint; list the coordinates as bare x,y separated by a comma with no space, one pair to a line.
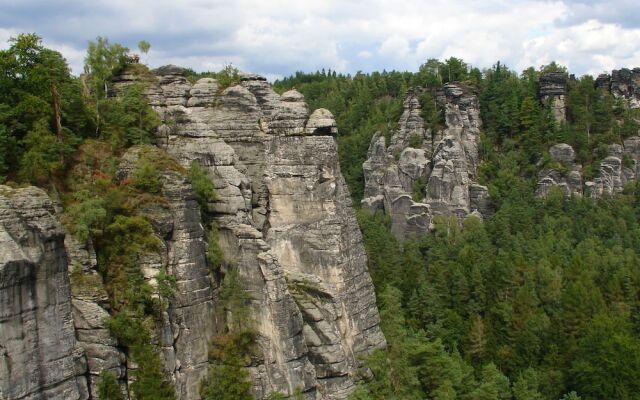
279,37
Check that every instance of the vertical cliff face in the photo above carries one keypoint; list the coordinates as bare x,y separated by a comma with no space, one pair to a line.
38,355
187,325
425,172
285,223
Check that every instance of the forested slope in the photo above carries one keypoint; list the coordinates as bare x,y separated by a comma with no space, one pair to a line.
539,301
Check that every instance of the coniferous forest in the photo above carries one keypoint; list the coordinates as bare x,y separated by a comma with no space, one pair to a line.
540,301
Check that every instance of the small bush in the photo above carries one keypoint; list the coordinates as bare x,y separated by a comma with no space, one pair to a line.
415,141
419,187
146,177
108,388
214,252
202,185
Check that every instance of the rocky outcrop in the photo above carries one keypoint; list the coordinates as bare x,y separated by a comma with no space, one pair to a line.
620,167
553,92
622,84
38,354
434,177
285,223
564,173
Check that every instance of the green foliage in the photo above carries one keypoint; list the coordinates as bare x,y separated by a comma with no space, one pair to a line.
607,363
535,302
128,119
146,177
228,76
235,300
102,62
419,188
226,382
415,141
144,46
150,382
215,257
108,388
431,112
202,185
230,352
167,284
37,91
87,216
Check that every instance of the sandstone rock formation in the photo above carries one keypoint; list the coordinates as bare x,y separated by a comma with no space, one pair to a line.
565,173
285,223
553,92
620,167
38,354
623,84
436,178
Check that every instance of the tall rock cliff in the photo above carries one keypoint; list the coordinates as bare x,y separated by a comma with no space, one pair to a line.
38,354
423,171
285,223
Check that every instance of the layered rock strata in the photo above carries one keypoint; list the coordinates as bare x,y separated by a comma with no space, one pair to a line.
38,354
423,171
285,223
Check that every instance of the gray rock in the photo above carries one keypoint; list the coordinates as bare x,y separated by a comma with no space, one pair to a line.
440,172
625,84
321,122
38,356
282,211
203,92
568,178
562,153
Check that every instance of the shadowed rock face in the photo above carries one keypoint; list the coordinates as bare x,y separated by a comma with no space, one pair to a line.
38,355
285,223
414,184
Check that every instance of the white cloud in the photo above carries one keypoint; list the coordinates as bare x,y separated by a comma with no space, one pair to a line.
279,37
590,47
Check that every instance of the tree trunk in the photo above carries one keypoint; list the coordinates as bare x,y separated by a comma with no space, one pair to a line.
55,96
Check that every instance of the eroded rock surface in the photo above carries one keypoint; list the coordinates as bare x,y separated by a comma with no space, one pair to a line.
38,354
285,223
437,175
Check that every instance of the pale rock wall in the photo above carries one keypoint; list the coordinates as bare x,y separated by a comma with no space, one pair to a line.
285,223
